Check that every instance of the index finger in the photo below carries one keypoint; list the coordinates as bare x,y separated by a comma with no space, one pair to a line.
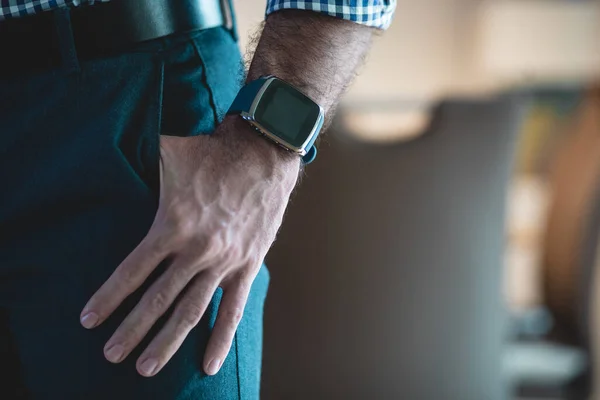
128,276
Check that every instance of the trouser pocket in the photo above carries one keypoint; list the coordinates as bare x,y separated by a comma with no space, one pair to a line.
77,138
136,111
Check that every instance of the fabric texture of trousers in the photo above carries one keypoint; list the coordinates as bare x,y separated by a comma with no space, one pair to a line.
79,160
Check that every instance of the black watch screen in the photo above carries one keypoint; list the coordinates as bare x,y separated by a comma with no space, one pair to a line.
287,113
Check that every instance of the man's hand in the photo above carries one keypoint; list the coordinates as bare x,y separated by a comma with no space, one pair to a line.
222,201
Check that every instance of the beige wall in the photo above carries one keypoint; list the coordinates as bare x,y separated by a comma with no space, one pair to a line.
410,61
539,40
250,13
435,47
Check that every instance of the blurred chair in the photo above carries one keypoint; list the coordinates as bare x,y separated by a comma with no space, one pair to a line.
572,243
387,274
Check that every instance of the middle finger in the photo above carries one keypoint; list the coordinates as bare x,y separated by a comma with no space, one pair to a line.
155,302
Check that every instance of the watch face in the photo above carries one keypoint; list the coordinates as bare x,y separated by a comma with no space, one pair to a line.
287,113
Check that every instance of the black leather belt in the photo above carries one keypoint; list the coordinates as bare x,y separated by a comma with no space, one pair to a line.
32,42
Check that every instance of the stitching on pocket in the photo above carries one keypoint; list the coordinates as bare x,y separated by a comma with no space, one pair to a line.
152,155
137,135
161,84
211,95
237,366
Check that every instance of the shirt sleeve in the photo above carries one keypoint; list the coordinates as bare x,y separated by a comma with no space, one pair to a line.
375,13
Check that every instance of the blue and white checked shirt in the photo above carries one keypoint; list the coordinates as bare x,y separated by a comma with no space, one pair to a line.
376,13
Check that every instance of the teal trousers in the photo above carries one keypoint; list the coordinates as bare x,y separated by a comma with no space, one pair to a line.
79,155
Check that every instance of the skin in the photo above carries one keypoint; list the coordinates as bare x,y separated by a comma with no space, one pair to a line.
222,201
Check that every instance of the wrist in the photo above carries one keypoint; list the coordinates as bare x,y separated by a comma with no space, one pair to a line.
239,134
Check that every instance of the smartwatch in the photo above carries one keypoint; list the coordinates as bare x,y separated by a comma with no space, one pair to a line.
282,114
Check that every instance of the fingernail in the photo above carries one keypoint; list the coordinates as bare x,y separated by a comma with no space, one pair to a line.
213,366
114,353
89,320
147,368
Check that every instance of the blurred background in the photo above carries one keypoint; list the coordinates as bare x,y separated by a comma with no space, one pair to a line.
445,243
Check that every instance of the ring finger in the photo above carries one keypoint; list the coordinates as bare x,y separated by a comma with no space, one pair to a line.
186,316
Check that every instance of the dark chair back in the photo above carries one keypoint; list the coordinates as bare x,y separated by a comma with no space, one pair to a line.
387,274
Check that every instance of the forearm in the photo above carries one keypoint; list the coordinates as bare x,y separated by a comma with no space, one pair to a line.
316,53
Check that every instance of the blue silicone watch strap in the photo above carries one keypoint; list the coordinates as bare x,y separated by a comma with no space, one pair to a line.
243,103
246,96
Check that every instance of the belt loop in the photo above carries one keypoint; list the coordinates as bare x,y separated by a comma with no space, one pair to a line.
65,39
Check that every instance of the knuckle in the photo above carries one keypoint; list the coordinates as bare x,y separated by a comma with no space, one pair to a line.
227,261
158,303
252,261
185,230
234,315
237,256
182,221
175,239
180,227
214,244
191,315
162,243
180,274
213,275
246,276
178,211
126,281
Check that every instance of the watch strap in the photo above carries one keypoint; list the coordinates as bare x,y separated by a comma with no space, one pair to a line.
246,95
243,103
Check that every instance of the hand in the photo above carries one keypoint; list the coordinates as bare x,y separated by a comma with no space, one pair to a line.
222,200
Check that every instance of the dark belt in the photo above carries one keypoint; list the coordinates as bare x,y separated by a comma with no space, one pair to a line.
33,42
